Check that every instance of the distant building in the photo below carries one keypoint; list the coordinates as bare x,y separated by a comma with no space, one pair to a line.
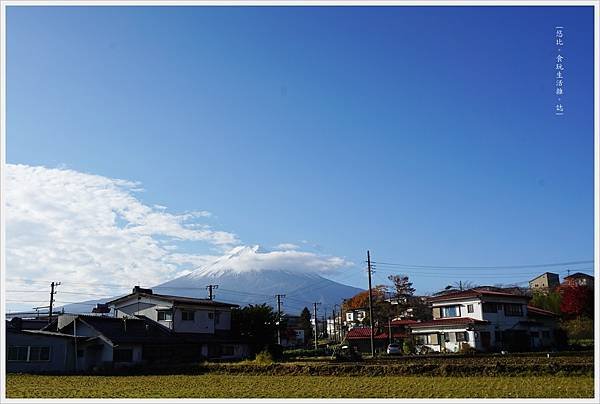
485,320
354,316
580,279
546,281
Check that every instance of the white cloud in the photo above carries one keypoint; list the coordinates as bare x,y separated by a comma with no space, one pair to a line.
92,233
83,229
246,258
287,246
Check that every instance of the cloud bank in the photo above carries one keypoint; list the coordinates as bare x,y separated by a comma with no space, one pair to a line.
94,233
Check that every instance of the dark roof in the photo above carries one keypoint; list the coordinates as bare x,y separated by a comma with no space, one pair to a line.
537,312
176,299
545,273
448,321
129,330
474,293
579,275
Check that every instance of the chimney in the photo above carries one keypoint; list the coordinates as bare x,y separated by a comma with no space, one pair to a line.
137,289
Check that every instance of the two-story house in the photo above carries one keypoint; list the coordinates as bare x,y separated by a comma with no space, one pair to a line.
545,282
204,321
484,320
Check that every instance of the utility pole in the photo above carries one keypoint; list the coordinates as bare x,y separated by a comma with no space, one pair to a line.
210,291
316,325
390,328
52,293
334,335
279,318
370,304
460,285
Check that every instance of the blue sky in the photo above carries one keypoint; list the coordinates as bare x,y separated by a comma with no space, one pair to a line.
425,134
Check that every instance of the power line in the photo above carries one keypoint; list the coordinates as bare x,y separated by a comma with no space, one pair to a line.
554,264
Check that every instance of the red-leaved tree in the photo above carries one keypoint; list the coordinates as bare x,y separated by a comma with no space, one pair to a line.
577,301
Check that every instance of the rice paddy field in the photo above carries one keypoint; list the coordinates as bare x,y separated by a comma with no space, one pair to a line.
273,386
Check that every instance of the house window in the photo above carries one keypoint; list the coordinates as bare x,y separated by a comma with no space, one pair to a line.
470,308
39,354
421,339
17,353
450,311
28,354
122,355
513,310
187,315
448,337
461,336
490,308
165,315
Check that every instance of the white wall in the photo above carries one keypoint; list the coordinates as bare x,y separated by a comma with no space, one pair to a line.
201,323
147,305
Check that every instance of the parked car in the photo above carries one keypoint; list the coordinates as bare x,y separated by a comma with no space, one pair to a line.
394,349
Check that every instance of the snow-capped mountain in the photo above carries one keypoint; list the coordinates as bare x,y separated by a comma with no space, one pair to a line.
244,276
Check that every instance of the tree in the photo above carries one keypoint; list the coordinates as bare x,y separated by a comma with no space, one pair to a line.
550,301
402,285
257,324
577,301
306,325
361,299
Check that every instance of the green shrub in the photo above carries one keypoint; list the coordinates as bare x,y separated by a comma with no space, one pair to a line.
407,347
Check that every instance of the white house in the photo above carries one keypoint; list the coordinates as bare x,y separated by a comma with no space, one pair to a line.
177,313
485,320
207,322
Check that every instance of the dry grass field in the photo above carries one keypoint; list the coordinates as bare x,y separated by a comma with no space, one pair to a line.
244,386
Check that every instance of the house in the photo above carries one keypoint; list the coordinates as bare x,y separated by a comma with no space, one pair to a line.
355,317
579,279
32,351
205,322
178,314
484,320
545,282
360,337
144,328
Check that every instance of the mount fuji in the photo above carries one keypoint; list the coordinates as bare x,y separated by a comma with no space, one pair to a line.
244,277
